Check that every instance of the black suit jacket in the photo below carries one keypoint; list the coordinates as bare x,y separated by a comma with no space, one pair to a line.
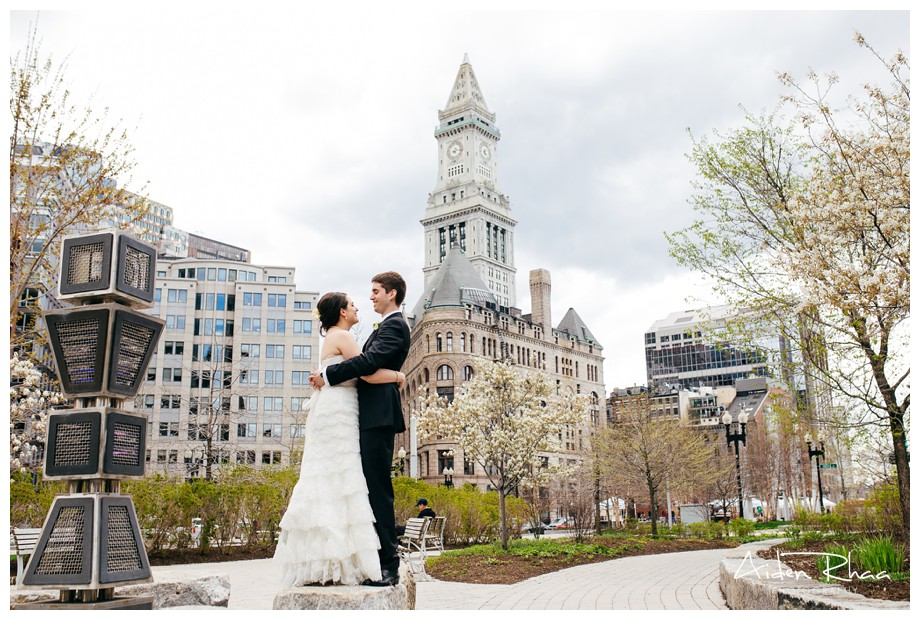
379,405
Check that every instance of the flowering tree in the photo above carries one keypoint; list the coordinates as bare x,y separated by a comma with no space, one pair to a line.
506,418
29,405
809,227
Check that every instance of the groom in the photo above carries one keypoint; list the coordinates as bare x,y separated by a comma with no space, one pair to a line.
379,410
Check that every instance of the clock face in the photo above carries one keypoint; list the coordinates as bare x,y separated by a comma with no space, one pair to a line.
485,151
454,150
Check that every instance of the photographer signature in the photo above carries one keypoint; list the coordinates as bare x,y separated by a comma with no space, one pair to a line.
834,562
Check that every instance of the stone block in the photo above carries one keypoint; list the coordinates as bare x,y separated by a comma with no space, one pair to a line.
210,591
400,596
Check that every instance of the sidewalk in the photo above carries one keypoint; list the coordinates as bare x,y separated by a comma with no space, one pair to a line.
687,580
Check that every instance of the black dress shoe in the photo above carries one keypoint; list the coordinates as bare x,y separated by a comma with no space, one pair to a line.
387,578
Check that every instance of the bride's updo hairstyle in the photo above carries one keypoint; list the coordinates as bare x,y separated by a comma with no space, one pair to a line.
329,306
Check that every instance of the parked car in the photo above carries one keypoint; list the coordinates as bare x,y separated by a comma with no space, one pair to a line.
530,528
560,523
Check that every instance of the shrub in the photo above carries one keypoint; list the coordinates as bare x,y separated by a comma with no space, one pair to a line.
30,500
879,554
741,527
829,565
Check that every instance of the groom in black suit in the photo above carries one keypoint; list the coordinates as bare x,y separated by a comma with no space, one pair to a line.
379,410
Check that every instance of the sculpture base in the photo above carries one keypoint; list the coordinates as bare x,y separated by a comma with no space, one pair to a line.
400,596
119,602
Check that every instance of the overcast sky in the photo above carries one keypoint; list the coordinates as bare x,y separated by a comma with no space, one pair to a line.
306,135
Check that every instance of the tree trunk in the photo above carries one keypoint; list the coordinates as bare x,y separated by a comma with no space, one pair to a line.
653,510
502,517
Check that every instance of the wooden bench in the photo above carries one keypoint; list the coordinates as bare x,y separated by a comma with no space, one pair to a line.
434,536
414,540
22,543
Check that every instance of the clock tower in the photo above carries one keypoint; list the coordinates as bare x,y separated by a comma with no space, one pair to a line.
466,207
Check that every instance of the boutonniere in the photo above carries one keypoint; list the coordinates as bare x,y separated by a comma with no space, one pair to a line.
376,325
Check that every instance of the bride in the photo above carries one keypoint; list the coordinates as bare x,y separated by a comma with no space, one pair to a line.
327,532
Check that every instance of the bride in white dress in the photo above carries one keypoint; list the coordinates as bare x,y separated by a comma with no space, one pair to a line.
327,532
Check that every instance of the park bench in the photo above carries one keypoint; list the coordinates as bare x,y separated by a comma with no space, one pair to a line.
22,543
434,536
414,540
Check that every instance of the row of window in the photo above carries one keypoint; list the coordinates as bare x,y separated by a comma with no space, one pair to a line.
220,274
221,404
243,457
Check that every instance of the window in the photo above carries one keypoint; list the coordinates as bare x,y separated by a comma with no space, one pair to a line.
274,377
275,325
303,327
248,403
297,402
148,401
174,295
169,401
439,343
252,325
246,457
469,467
151,374
252,299
169,429
450,342
272,431
249,350
246,430
157,295
445,460
276,300
446,392
274,350
300,377
172,375
303,305
212,273
221,274
175,321
273,403
302,352
467,373
463,343
248,377
297,431
445,373
171,347
271,458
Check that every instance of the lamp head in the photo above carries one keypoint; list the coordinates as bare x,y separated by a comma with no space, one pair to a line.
727,418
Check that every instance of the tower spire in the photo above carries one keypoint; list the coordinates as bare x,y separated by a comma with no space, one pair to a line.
466,95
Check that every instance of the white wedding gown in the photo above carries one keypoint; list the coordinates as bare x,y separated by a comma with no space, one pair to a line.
327,532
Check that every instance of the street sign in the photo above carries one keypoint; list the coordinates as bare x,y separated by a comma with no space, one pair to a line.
827,466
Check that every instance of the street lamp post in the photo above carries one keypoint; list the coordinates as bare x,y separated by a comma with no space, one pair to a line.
817,454
401,455
448,477
735,438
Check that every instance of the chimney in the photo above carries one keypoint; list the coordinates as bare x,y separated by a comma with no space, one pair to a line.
540,299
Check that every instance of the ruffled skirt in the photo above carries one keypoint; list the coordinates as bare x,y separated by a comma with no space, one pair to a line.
327,533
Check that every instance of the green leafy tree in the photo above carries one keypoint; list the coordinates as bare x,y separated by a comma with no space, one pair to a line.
808,228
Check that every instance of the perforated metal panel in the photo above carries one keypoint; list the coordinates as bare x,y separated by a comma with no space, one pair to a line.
122,555
75,444
80,344
78,339
125,442
135,338
137,272
63,555
86,263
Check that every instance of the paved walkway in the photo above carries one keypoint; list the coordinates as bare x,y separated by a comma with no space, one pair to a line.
687,580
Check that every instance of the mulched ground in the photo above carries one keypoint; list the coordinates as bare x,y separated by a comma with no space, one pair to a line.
167,557
881,589
508,569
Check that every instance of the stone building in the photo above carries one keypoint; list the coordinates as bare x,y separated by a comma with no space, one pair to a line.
468,308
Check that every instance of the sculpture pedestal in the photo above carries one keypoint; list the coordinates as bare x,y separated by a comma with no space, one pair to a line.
400,596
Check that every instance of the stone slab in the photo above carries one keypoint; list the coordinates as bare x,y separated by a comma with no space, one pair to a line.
210,591
334,597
